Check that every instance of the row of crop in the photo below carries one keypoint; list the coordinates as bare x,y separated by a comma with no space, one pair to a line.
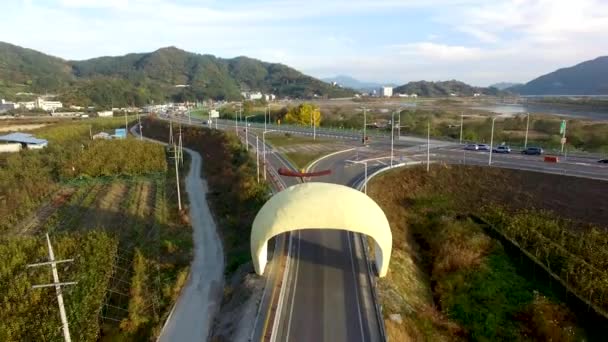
578,264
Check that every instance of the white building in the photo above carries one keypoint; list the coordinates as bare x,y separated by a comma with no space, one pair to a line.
252,95
413,95
386,91
40,103
476,95
105,114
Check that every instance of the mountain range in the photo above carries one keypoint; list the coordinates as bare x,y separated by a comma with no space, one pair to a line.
349,82
586,78
444,88
504,85
141,78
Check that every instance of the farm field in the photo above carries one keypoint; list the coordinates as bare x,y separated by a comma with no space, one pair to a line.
453,277
117,198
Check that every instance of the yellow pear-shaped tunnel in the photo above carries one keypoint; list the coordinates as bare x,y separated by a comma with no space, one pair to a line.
320,206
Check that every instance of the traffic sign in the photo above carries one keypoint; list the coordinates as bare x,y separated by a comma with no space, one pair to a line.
562,127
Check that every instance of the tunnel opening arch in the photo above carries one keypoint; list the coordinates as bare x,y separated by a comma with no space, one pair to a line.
320,206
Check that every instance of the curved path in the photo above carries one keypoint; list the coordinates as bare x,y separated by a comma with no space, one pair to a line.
192,316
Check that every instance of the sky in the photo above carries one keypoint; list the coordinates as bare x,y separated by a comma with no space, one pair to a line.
388,41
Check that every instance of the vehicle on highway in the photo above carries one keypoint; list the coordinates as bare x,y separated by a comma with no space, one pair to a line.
483,147
501,149
603,161
533,151
472,147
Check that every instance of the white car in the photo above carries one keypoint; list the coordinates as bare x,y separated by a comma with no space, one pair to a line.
483,147
502,149
471,147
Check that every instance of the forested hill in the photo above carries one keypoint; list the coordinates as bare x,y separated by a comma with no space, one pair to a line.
586,78
443,88
141,78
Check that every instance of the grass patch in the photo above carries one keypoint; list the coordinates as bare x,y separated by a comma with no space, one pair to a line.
302,159
287,139
449,280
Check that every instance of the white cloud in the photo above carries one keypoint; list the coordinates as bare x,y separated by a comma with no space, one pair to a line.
477,41
430,51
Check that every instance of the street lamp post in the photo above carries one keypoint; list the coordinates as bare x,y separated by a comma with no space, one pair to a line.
428,147
257,157
364,124
527,127
267,109
491,141
264,157
461,124
392,136
247,133
314,128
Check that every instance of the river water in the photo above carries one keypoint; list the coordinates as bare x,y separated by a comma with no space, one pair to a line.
513,109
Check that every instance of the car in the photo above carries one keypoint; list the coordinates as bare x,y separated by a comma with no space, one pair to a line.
483,147
472,147
501,149
533,151
603,161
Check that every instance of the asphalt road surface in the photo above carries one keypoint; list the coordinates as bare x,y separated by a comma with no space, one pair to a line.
327,296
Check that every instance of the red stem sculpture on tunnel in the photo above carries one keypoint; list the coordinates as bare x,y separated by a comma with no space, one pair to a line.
291,173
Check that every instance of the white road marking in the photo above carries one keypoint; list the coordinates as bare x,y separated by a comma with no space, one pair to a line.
352,264
295,282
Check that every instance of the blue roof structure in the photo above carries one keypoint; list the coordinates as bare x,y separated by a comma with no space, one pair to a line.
23,138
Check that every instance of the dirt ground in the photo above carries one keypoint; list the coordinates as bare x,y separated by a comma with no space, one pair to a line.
14,128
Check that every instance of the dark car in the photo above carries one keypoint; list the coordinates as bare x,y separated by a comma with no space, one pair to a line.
603,161
533,151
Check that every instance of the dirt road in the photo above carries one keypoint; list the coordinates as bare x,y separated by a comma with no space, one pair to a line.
200,299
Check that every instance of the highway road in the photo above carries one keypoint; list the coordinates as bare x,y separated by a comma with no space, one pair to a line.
327,295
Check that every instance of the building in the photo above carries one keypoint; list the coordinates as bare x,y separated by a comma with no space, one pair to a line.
120,133
386,91
476,95
48,106
40,103
102,136
26,140
105,114
6,106
252,95
269,97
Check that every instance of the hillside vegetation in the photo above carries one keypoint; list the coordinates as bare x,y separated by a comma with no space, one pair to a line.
444,88
451,278
142,78
586,78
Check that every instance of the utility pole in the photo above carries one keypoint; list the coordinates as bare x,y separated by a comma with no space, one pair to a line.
170,132
264,156
189,117
491,141
314,127
428,147
126,126
139,125
257,157
181,147
179,198
527,127
91,132
57,285
267,109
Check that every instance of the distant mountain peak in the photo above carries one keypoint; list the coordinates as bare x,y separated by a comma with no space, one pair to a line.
586,78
